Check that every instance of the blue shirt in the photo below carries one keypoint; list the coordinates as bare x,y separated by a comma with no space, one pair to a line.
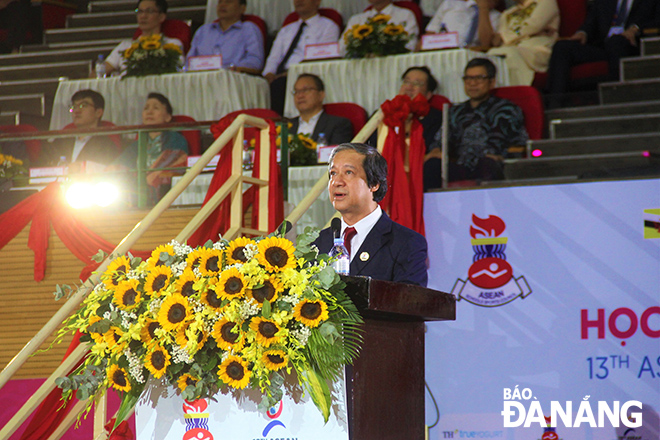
241,44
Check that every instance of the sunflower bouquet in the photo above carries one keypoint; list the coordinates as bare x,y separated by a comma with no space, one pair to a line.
217,318
151,56
10,166
302,148
377,37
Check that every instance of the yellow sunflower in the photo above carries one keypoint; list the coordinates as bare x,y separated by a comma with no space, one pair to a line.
127,296
150,45
96,336
276,254
307,142
171,46
186,282
393,29
234,372
311,313
154,260
112,337
157,280
362,31
194,257
157,361
228,335
212,299
275,359
118,378
235,250
116,271
185,381
231,284
210,263
267,292
148,333
265,330
174,313
128,52
182,338
380,18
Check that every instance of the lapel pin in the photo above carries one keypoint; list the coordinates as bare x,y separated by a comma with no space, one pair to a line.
364,256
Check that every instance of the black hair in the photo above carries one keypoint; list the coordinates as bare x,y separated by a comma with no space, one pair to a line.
374,164
317,80
96,97
431,82
163,100
491,70
160,4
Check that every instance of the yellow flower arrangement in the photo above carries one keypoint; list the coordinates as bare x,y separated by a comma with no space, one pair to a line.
149,55
10,167
221,317
377,37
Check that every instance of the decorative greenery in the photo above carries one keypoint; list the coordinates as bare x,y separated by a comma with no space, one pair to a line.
377,37
217,318
151,56
302,149
11,167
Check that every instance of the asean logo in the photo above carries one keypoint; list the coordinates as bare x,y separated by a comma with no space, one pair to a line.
490,281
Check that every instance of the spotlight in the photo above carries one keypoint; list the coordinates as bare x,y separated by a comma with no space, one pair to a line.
106,194
81,195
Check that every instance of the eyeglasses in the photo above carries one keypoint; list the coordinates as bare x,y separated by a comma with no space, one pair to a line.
407,82
305,90
477,78
80,106
147,11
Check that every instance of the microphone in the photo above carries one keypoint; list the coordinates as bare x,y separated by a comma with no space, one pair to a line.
335,224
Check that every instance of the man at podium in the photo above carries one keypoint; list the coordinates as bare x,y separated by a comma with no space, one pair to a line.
379,248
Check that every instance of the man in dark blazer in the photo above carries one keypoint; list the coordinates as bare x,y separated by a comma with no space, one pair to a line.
610,32
87,107
309,93
380,248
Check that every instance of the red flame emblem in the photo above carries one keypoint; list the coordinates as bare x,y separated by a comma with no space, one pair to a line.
490,227
198,434
197,406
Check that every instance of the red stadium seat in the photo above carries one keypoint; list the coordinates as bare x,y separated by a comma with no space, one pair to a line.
530,101
174,29
194,137
33,145
325,12
355,113
437,101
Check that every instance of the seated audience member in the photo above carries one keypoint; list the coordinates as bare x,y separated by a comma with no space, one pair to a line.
150,16
462,17
289,46
239,42
608,33
308,93
398,15
524,37
481,130
87,107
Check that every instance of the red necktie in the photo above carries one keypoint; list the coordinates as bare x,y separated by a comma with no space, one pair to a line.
349,233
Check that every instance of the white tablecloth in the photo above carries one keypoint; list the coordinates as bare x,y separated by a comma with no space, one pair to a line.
301,180
275,11
369,82
205,96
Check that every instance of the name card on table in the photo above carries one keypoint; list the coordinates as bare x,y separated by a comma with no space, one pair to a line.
322,51
205,62
447,40
324,153
46,175
192,160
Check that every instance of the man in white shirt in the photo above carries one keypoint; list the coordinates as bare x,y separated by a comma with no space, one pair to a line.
310,28
398,15
308,93
462,17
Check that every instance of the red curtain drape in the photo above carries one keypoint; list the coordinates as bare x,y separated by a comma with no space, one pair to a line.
405,195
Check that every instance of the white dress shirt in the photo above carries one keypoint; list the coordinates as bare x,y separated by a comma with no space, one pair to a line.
402,16
309,126
319,30
457,16
362,229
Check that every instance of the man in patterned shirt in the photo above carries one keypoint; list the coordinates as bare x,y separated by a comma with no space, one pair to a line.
481,130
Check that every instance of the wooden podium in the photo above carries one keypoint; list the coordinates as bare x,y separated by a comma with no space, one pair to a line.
385,386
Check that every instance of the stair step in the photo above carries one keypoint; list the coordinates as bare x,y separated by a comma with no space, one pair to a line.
129,5
592,111
595,144
629,91
10,118
55,55
87,35
646,67
639,163
651,46
194,13
33,104
602,126
72,70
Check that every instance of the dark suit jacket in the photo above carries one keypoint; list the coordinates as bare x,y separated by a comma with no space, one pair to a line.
643,13
100,149
337,130
395,253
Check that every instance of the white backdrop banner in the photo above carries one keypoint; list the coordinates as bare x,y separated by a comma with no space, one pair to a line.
558,312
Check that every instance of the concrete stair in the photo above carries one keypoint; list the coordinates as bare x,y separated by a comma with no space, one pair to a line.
650,46
629,91
645,67
129,5
629,108
55,56
595,144
602,126
34,104
194,13
71,70
87,36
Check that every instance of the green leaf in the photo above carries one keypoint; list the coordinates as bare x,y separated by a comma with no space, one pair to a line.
329,331
319,391
327,277
265,309
128,402
99,256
